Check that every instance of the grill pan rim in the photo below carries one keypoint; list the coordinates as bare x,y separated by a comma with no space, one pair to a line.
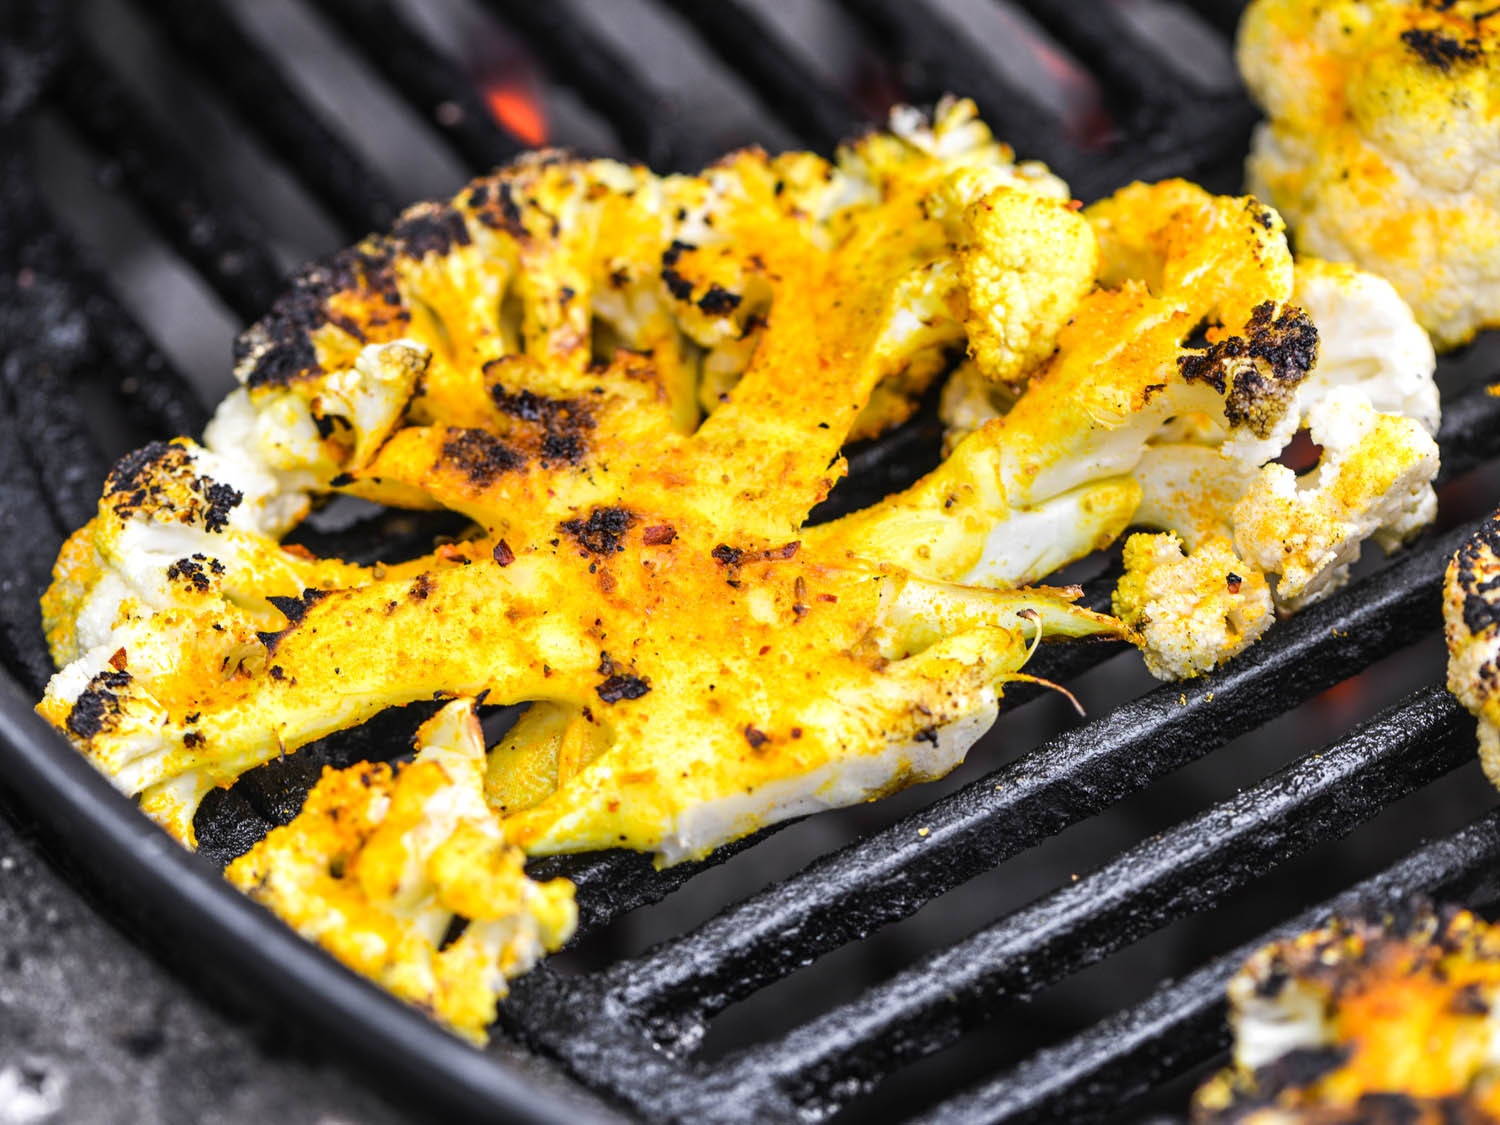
183,902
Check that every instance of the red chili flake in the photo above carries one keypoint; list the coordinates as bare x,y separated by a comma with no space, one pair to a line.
1233,581
796,732
658,535
764,649
503,554
828,597
117,661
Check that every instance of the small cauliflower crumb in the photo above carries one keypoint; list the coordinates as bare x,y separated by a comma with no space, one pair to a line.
1192,610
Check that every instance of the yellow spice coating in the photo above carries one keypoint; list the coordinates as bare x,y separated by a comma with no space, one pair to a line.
1382,143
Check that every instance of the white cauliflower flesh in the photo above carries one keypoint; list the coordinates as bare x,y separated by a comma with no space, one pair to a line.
1471,618
1382,146
1203,471
380,864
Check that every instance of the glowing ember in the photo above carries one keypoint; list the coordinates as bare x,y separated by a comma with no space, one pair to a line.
518,108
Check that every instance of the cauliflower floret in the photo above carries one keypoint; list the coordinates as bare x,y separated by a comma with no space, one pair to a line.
1471,617
1121,369
1020,294
1382,147
1375,478
1192,611
1363,1021
1367,338
380,864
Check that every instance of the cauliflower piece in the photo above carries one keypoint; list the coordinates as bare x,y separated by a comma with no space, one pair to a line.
1192,610
379,865
1020,296
1381,146
1366,1021
1121,369
1375,478
1191,481
1471,620
1369,339
631,573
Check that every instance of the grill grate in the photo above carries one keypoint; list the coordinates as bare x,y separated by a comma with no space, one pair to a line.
631,1029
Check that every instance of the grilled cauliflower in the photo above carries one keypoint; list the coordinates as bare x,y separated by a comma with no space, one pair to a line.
380,864
1381,145
1471,618
1207,482
699,667
1361,1021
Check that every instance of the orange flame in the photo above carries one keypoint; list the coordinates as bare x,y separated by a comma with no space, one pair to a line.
517,107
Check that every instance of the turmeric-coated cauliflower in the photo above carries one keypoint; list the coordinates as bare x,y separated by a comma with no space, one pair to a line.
1364,1021
381,864
1128,384
531,356
1382,143
1471,619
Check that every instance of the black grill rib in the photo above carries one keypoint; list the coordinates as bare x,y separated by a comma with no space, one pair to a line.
1108,44
435,85
212,43
1097,1074
1222,15
577,56
1322,797
809,105
938,58
223,243
1076,775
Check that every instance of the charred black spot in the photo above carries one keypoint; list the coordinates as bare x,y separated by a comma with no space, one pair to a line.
1299,1068
604,530
295,609
927,734
718,301
222,499
278,349
284,362
431,229
132,472
727,555
562,447
97,707
1439,50
277,672
193,572
1477,564
191,739
480,455
621,686
679,286
1257,373
756,738
421,587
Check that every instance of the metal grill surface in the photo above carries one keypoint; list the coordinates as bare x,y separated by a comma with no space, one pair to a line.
631,1030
